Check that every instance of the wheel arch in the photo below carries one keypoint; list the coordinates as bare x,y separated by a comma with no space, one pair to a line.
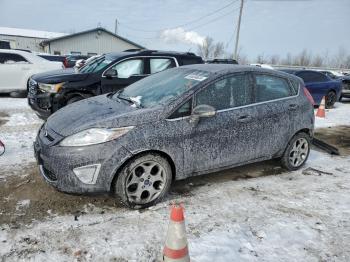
138,154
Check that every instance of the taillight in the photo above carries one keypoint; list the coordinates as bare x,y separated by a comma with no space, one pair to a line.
309,96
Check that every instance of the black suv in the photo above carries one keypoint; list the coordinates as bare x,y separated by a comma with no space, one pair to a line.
50,91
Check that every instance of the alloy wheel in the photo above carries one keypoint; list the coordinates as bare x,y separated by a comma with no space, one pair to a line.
145,182
299,152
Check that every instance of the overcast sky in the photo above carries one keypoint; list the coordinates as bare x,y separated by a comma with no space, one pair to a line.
268,26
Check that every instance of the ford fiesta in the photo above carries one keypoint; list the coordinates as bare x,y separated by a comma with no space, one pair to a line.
175,124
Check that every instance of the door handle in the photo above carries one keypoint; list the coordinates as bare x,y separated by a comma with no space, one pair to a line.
243,119
293,106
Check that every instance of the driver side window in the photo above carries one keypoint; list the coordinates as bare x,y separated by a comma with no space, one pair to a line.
128,68
229,92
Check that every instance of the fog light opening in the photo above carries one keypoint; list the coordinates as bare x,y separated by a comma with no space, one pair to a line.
87,174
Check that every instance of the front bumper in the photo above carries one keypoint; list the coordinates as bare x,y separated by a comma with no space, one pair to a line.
56,163
345,93
40,102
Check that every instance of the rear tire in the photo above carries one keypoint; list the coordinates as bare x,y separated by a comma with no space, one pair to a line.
331,98
143,181
297,152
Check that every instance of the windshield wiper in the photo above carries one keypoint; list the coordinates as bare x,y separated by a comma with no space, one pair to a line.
131,100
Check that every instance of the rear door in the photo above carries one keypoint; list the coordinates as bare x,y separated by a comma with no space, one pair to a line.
128,71
276,107
14,69
158,64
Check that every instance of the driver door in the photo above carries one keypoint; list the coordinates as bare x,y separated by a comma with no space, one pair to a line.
122,74
229,137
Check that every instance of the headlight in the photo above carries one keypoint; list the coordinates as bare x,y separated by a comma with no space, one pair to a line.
51,88
94,136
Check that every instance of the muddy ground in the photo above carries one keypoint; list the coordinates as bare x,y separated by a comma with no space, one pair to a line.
25,196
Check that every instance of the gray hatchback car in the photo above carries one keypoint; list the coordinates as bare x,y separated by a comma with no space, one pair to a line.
175,124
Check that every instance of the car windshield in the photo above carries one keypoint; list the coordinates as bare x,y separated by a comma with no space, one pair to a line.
95,65
161,87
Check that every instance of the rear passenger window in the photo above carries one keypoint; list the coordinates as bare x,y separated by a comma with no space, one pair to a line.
232,91
271,87
310,76
160,64
8,58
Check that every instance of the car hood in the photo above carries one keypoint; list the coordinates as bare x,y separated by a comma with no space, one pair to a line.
58,76
99,111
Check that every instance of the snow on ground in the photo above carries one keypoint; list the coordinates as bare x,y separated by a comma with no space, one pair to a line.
339,115
18,128
284,217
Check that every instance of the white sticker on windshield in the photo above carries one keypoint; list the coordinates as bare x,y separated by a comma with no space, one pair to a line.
196,77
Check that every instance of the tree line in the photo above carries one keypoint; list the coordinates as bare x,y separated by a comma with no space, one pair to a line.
340,59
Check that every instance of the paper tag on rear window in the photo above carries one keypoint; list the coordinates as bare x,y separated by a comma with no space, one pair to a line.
196,77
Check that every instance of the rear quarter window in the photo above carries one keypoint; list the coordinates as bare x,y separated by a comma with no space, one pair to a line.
190,61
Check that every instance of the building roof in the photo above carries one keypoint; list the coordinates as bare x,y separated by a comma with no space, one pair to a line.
89,31
29,33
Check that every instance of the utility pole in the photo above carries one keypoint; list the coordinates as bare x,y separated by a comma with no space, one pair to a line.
116,26
238,29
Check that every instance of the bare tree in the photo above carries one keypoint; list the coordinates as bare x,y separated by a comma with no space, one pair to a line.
339,58
208,49
218,50
317,61
287,60
303,59
260,59
274,60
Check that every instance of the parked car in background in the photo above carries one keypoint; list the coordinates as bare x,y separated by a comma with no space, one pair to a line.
16,67
111,72
80,63
57,58
263,66
70,60
4,44
175,124
222,61
345,80
319,85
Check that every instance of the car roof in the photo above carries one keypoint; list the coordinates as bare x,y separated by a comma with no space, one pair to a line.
142,52
14,51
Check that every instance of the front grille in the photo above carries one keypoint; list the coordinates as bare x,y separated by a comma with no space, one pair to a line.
49,175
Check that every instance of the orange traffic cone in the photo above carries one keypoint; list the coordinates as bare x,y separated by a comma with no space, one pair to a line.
321,112
176,242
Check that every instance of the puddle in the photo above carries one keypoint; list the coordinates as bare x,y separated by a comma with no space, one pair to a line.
338,136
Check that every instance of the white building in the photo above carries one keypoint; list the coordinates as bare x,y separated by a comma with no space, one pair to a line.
90,42
26,38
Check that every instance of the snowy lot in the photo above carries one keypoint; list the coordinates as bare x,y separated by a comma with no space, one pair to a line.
253,213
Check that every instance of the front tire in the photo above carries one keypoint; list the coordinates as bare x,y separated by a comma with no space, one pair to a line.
144,181
297,152
331,98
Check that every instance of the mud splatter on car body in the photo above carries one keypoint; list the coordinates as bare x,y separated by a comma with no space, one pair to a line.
216,143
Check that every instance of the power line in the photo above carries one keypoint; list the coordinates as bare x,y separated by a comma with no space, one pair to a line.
181,25
213,20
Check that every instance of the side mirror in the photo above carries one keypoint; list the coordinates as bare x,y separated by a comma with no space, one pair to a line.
202,111
111,73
